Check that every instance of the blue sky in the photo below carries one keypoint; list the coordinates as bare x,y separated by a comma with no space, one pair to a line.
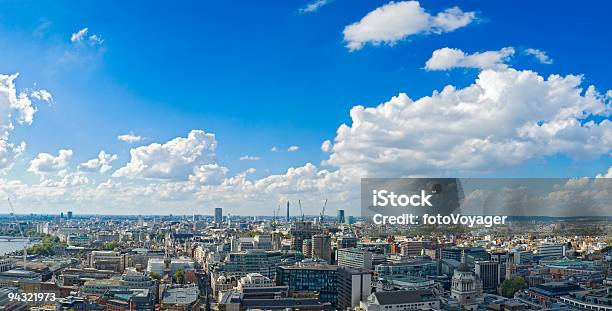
262,75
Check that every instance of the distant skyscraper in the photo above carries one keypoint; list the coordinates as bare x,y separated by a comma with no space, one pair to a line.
69,215
218,215
340,216
62,215
287,211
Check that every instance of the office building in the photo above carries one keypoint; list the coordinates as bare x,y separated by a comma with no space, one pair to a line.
218,215
251,261
420,267
549,250
355,258
307,248
488,272
300,231
311,277
6,264
340,216
321,247
107,260
413,248
502,259
354,285
346,242
263,241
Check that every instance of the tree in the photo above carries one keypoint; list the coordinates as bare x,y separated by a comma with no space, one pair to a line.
179,276
512,285
155,275
111,245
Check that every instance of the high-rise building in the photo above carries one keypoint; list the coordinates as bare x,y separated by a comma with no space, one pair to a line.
218,215
354,258
287,211
488,272
340,216
69,215
321,247
502,259
301,230
307,248
354,286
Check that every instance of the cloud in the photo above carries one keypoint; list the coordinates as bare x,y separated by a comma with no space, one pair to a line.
100,164
249,158
504,118
43,95
313,6
209,174
129,138
274,149
396,21
447,58
293,148
81,36
46,163
15,108
175,159
326,146
608,174
541,56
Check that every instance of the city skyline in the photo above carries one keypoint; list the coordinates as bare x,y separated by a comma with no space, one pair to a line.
243,107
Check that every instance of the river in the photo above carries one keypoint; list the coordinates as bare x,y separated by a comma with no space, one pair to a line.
8,247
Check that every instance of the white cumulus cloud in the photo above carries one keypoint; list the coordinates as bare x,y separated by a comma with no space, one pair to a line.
101,164
15,108
541,56
129,138
608,174
175,159
448,58
505,118
326,146
46,163
293,148
395,21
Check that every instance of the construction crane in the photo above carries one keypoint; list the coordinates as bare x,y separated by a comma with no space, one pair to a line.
301,211
323,212
25,245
